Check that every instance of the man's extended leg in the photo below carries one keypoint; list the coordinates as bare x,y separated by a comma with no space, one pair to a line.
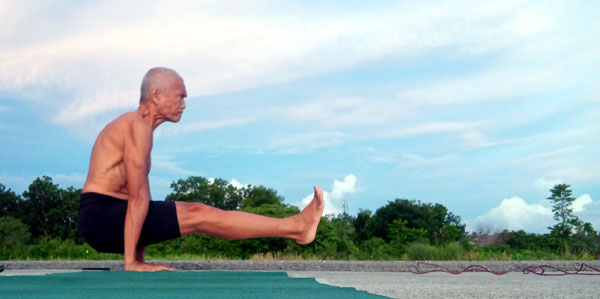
200,218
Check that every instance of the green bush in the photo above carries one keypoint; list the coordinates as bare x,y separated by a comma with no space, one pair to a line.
375,249
421,252
450,252
425,252
13,232
14,252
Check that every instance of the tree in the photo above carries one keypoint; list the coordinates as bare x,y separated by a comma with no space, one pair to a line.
276,210
10,203
50,211
456,221
68,212
13,231
562,201
450,233
260,195
360,224
429,217
217,193
345,225
401,235
586,238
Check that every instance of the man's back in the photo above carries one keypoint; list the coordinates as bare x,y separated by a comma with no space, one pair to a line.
107,173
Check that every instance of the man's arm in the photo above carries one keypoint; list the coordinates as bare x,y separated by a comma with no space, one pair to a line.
138,144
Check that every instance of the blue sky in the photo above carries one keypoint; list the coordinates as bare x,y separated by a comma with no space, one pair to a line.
479,106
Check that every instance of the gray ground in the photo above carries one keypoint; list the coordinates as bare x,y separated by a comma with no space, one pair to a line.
467,285
384,278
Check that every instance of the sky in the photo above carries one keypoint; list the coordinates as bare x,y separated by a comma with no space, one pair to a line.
482,106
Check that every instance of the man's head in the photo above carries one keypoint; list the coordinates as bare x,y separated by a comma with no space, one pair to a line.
164,88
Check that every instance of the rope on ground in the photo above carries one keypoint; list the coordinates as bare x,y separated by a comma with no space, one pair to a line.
584,269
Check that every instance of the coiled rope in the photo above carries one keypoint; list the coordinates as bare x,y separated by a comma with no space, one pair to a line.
584,269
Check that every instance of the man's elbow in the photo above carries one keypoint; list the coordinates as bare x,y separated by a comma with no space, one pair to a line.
137,198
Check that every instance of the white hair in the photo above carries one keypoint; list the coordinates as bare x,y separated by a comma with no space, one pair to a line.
157,78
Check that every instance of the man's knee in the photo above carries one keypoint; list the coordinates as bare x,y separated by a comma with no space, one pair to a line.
193,216
185,208
195,212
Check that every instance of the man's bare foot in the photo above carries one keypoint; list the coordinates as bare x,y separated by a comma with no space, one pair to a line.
310,217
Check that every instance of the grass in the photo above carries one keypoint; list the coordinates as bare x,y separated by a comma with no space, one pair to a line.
68,250
425,252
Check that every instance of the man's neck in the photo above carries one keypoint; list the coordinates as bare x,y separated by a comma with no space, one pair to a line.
150,115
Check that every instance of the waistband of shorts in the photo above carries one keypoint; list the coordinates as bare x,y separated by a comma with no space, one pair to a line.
92,197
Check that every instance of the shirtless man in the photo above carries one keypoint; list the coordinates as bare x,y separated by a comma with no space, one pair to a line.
116,213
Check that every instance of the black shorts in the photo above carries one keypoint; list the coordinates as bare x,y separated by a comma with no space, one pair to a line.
101,222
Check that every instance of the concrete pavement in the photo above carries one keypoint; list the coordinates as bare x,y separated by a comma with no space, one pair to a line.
393,282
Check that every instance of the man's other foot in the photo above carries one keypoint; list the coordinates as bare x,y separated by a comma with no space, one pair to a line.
310,217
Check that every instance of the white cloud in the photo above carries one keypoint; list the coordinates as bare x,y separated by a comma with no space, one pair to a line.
166,163
408,159
306,142
549,158
575,170
516,214
97,65
580,202
493,84
591,214
235,183
545,185
414,159
342,111
368,118
340,188
547,155
433,128
202,126
529,23
333,200
106,101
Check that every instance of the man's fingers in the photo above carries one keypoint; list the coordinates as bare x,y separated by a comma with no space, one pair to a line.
166,267
149,267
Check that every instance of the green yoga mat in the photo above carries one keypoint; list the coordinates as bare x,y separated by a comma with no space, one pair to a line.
180,284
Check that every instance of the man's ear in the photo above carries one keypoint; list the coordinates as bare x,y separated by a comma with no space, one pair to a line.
155,95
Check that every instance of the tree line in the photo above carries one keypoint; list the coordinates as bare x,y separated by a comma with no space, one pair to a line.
42,223
570,237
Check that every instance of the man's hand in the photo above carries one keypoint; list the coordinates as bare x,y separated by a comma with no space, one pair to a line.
144,267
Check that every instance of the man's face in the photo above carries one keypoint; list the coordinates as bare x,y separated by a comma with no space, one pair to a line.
173,102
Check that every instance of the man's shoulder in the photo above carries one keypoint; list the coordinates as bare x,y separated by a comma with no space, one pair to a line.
130,119
128,124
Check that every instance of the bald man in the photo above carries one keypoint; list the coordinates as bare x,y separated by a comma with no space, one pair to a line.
116,213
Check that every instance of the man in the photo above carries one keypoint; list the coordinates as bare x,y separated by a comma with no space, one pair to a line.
116,213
